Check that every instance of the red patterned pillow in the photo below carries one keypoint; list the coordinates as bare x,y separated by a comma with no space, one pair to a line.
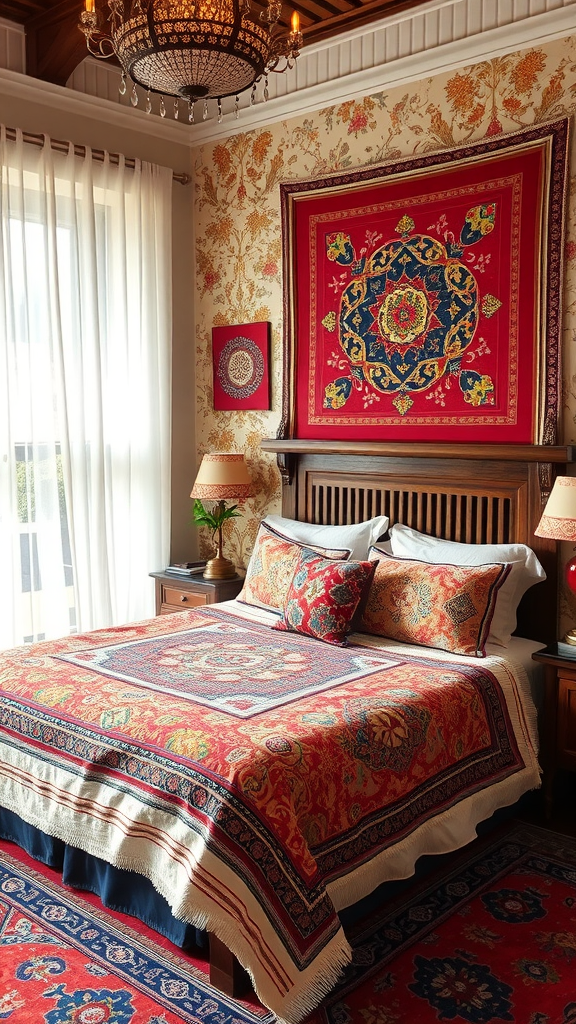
271,568
444,606
324,596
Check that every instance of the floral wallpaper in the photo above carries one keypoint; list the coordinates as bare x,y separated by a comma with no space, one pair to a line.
237,220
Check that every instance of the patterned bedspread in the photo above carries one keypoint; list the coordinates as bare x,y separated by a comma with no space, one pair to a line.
260,780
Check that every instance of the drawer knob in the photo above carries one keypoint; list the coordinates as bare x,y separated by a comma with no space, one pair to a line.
183,597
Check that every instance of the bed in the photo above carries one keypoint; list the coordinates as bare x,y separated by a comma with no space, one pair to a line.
259,817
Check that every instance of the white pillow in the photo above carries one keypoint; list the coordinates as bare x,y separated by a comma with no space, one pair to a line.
526,569
359,537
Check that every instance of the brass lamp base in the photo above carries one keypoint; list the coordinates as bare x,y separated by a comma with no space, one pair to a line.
219,568
570,637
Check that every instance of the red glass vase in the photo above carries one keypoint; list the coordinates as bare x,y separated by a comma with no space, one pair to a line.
571,574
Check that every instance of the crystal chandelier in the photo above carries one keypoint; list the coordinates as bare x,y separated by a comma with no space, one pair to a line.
192,49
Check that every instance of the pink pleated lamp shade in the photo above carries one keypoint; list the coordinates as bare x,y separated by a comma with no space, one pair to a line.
558,521
222,476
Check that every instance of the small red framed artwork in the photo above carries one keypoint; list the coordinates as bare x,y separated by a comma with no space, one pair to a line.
240,356
422,298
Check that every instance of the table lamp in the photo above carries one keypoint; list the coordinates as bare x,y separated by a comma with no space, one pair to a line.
558,522
222,475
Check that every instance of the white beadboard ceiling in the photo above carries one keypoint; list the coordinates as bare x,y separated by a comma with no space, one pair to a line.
437,36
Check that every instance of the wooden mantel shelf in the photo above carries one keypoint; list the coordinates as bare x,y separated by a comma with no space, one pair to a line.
399,449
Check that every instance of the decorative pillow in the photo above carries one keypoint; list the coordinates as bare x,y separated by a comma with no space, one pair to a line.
359,537
323,597
444,606
271,568
525,572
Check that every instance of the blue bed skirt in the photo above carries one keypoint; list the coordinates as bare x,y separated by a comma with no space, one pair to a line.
118,889
130,893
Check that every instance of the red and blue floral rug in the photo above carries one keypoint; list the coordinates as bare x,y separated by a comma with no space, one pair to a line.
490,938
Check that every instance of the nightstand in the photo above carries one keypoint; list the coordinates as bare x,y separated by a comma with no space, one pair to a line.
177,593
559,722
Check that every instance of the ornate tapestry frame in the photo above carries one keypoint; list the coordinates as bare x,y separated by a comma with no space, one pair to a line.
397,327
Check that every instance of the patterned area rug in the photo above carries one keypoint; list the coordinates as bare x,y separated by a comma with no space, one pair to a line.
491,938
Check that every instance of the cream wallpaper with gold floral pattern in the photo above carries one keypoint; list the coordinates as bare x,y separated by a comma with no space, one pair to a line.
237,220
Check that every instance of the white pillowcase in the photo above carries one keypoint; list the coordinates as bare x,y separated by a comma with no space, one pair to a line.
526,569
359,537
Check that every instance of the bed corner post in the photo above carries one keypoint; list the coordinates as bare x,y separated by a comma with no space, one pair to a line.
226,973
545,480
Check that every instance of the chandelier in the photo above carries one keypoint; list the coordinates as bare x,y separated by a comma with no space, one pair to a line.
192,49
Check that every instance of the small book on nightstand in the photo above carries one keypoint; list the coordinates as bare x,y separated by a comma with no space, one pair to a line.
186,568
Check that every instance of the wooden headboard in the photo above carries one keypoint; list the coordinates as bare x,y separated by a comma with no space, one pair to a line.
475,494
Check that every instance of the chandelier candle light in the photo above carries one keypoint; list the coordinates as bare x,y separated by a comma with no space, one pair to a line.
192,49
222,475
558,522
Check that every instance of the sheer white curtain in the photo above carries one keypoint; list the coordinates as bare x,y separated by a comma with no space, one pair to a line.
85,355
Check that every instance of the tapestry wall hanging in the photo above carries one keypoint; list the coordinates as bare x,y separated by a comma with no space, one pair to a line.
422,298
240,358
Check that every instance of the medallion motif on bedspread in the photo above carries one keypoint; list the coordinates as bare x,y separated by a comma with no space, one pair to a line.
387,736
226,667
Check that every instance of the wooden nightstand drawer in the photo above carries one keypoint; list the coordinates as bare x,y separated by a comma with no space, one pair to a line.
176,595
174,599
558,733
567,719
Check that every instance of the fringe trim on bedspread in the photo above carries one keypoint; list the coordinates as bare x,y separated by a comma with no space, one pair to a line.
304,990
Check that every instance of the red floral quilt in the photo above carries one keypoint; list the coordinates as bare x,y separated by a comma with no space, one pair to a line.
260,780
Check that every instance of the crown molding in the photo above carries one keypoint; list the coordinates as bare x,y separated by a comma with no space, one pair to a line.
437,37
57,97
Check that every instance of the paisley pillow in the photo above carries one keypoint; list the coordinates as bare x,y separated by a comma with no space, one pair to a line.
271,568
434,605
323,597
525,572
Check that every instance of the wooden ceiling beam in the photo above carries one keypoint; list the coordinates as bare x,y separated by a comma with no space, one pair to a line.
329,27
54,44
19,10
65,10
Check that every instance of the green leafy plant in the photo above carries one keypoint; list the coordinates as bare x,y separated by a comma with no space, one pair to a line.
218,567
215,518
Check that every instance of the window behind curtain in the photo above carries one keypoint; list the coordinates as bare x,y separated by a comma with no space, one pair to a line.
85,339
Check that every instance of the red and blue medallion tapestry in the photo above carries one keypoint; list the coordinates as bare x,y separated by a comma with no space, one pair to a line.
423,298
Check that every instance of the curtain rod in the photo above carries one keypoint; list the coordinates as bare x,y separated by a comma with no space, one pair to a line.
97,154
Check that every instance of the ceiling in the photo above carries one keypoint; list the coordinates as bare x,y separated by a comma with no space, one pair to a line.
55,46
